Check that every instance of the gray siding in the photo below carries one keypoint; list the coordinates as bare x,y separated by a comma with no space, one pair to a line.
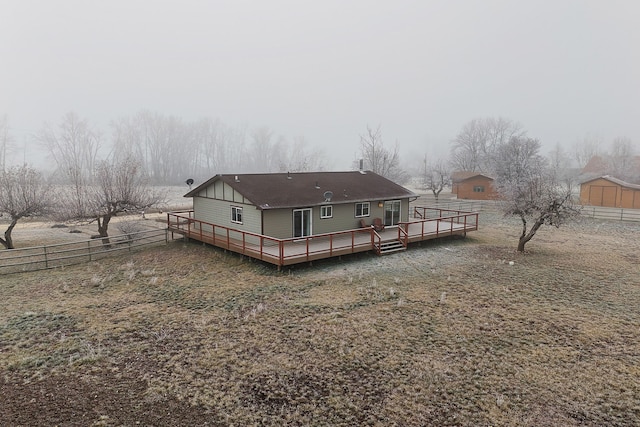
218,212
279,222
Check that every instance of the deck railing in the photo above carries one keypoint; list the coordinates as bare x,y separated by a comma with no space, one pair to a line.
447,222
272,249
301,249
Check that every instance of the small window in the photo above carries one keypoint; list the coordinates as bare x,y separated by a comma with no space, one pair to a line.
478,189
362,209
236,214
326,211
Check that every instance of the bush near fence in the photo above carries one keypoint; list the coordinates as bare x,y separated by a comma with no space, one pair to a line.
65,254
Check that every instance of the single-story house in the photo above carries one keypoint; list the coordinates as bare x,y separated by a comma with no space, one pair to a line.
610,192
288,218
285,205
472,185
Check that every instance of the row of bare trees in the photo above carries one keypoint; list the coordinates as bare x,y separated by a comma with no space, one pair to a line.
172,149
118,186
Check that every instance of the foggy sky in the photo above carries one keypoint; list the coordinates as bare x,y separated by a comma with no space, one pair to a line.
326,69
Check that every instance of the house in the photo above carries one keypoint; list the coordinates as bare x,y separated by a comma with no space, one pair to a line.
610,192
286,218
472,185
285,205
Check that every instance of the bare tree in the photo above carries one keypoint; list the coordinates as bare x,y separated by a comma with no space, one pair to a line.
591,145
5,141
560,165
121,186
528,188
74,148
23,194
473,146
298,157
621,158
436,176
378,158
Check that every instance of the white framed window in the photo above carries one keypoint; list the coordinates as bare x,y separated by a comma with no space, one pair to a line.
236,214
362,209
478,189
326,211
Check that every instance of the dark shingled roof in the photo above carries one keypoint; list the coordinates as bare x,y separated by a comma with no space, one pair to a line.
293,190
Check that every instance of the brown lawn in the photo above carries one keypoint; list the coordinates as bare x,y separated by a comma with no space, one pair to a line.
447,333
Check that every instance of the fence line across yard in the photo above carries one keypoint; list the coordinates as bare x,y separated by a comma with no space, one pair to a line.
65,254
617,214
595,212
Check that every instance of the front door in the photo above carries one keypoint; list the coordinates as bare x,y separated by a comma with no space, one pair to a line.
391,212
301,222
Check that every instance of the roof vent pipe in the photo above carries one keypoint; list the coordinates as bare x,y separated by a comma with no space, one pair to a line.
288,175
237,179
317,186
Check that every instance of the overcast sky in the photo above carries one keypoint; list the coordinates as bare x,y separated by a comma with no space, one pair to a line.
326,69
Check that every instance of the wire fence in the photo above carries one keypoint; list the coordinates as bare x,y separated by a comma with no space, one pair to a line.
65,254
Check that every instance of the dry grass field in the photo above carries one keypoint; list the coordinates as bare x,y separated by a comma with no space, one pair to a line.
447,333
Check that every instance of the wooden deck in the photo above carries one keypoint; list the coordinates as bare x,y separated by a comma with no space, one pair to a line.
426,224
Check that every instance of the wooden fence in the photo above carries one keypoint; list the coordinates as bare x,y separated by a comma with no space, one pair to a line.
617,214
64,254
596,212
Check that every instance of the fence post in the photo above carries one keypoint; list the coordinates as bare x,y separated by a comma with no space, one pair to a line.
89,248
621,214
46,261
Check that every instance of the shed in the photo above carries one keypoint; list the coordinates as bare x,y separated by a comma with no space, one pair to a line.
610,192
472,185
291,205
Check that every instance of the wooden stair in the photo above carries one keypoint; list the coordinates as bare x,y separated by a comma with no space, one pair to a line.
391,247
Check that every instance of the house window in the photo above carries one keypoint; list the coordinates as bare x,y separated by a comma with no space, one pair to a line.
326,211
236,214
478,189
362,209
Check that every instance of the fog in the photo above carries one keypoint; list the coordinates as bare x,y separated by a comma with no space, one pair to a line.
325,70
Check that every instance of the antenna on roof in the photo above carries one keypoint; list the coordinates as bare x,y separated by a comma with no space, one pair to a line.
328,195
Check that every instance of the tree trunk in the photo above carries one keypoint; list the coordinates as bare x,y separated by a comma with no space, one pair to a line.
103,227
525,237
7,242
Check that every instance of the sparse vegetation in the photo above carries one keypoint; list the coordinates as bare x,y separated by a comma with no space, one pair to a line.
459,332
